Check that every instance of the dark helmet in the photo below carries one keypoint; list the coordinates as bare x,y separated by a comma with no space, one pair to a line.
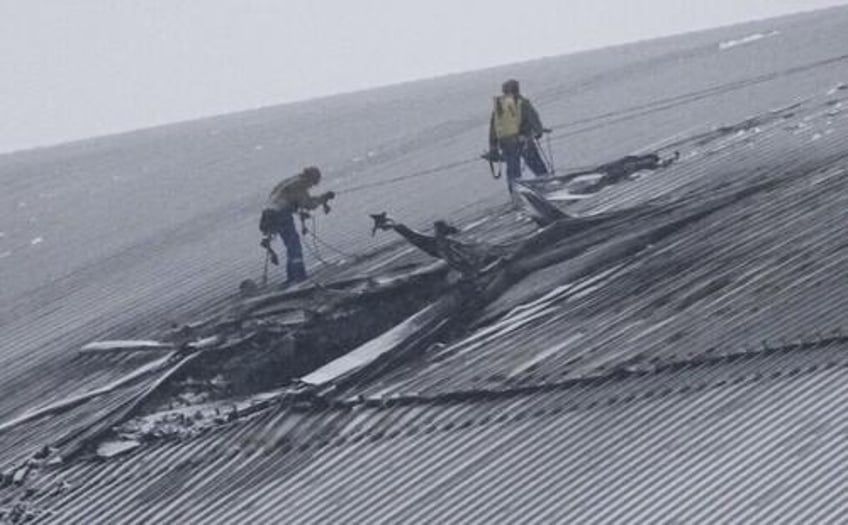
312,174
510,87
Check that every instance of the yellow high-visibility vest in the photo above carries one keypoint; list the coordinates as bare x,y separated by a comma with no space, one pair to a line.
507,116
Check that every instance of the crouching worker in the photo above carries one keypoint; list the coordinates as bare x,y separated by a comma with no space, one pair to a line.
289,197
513,129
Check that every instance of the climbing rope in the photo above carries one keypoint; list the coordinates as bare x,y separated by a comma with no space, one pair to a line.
550,153
318,240
595,122
315,240
547,157
431,171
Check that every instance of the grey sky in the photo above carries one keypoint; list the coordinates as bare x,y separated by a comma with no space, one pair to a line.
78,68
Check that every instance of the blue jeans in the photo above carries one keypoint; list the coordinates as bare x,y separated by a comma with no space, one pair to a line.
284,226
513,150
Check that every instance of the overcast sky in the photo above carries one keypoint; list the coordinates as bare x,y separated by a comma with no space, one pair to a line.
77,68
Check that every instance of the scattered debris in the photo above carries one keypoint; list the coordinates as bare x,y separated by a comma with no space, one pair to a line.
18,475
592,180
21,512
842,86
110,449
128,346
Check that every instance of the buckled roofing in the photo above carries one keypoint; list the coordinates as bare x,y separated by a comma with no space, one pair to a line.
687,365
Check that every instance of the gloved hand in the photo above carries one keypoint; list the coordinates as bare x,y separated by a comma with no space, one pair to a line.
493,155
266,222
330,195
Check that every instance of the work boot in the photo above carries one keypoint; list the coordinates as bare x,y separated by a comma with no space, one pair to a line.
295,271
515,199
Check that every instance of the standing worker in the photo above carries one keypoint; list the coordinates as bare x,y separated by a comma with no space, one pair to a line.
287,198
513,130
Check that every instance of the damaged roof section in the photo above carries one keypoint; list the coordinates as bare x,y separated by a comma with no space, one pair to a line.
74,398
626,340
741,284
430,459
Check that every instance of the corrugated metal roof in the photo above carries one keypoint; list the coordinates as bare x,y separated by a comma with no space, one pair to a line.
689,442
74,397
763,269
693,377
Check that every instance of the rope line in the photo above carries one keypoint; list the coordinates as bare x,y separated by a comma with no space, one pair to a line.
588,124
430,171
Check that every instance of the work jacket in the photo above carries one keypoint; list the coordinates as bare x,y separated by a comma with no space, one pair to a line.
292,194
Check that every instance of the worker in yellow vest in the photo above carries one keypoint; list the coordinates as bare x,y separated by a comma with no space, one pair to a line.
514,127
